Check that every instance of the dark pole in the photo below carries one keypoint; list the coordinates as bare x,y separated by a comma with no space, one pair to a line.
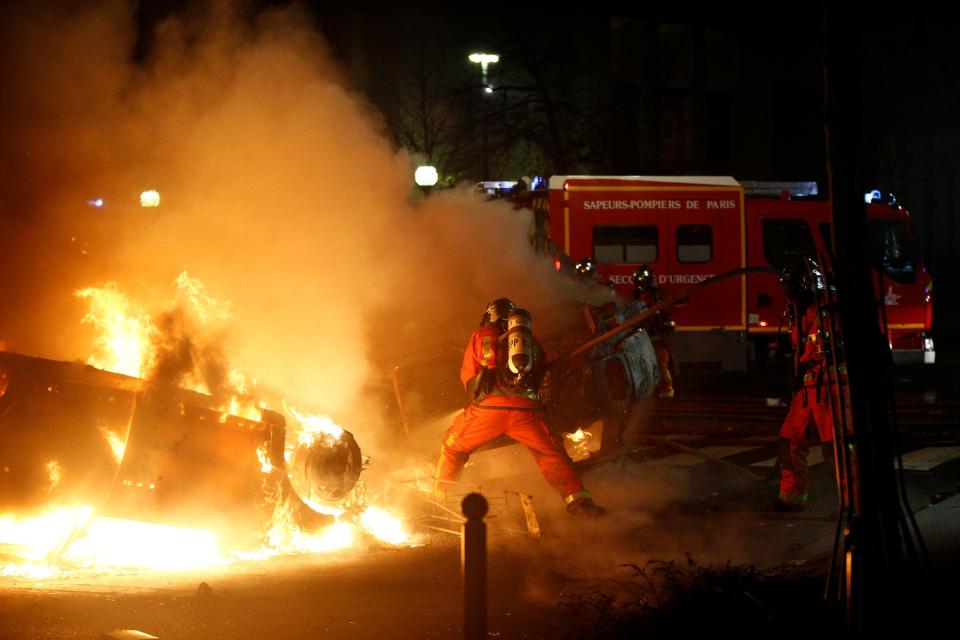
876,541
486,144
473,564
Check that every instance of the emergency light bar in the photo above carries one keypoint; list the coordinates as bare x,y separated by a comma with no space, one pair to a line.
498,184
494,188
877,196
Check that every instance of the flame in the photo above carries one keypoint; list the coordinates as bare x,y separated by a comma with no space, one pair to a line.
126,340
264,457
112,542
55,473
117,444
124,343
383,526
313,427
74,537
192,294
70,539
242,403
66,539
579,445
285,537
37,538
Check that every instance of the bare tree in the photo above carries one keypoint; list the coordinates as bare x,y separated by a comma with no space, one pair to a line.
425,114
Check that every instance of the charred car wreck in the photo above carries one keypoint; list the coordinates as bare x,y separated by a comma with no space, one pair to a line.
72,434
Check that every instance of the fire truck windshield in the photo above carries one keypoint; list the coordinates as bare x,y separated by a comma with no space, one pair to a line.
894,250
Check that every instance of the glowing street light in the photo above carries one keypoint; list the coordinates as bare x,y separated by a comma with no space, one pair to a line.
426,177
150,198
484,60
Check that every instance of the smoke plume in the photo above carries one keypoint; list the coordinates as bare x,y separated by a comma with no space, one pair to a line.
279,191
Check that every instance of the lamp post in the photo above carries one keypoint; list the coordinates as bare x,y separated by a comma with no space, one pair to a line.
426,177
484,60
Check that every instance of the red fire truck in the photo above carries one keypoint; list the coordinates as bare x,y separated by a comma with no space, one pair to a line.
688,229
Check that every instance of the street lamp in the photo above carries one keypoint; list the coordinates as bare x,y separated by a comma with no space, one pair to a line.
426,177
150,198
484,60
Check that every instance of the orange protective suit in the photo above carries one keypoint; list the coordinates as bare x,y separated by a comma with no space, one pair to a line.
497,409
811,403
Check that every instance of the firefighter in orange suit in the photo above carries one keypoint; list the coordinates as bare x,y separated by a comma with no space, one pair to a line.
503,366
812,399
646,290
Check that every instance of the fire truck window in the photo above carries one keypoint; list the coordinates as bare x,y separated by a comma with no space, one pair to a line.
787,242
694,243
893,250
625,244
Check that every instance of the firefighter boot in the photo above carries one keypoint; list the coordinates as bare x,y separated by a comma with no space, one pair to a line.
585,507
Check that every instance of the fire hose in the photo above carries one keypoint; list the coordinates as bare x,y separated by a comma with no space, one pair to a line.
648,313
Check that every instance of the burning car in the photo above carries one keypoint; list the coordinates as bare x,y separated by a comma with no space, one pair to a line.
72,435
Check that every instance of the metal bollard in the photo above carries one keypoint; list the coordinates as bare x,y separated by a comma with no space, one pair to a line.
473,566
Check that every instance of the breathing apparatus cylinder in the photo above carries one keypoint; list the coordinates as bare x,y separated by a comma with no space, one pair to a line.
519,342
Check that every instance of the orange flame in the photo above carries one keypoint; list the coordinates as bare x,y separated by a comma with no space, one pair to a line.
383,526
315,427
70,538
55,473
111,542
264,457
580,445
126,340
73,537
117,444
124,343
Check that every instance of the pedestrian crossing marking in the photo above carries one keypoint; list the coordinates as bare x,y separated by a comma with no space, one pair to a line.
929,457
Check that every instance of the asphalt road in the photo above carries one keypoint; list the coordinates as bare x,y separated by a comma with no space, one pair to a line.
657,512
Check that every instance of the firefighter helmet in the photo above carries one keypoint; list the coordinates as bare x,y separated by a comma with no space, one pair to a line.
803,282
497,312
815,278
792,283
586,267
642,278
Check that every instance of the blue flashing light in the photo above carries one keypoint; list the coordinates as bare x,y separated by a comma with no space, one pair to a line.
878,196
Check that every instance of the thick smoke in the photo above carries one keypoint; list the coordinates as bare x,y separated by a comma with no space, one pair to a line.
279,191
